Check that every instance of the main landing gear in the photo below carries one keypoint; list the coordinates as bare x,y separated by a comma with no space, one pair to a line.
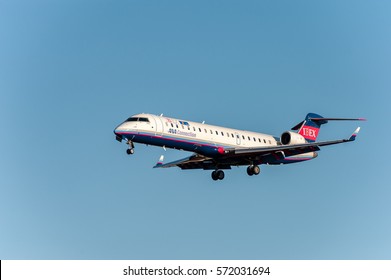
253,170
218,175
130,151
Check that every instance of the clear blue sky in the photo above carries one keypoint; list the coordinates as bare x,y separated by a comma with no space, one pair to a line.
70,71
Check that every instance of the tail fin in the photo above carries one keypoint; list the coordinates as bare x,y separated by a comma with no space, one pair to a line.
309,128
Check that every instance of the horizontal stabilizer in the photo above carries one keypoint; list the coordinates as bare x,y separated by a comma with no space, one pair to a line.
320,120
337,119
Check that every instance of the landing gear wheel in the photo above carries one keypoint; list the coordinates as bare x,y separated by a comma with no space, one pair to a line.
250,171
130,151
218,175
256,169
214,176
253,170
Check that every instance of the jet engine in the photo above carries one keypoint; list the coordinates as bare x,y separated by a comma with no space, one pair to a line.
291,138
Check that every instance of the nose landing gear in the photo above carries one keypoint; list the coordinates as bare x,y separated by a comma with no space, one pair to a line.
130,151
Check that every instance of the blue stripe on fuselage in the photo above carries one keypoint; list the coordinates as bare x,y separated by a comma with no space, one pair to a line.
201,147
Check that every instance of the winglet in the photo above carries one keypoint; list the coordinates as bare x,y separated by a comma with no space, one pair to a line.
353,136
160,162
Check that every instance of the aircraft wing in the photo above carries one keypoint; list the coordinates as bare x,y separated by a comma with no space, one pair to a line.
244,156
195,161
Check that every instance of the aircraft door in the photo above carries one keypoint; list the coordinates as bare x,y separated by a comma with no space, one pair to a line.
158,125
237,136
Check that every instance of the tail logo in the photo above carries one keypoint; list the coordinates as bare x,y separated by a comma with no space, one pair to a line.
309,132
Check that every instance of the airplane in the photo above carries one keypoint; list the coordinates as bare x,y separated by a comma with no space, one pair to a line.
219,148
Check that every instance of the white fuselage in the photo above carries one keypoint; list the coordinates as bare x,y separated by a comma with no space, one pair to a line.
188,135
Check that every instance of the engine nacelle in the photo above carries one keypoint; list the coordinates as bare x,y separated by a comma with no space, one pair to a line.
291,138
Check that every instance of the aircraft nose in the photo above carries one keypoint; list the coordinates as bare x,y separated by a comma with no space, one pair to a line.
116,130
119,128
117,133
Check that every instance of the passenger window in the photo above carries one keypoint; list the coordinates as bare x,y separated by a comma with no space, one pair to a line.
264,141
217,133
233,135
243,137
248,137
172,125
222,133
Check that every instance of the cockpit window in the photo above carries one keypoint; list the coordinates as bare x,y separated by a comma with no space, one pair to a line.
132,120
136,119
